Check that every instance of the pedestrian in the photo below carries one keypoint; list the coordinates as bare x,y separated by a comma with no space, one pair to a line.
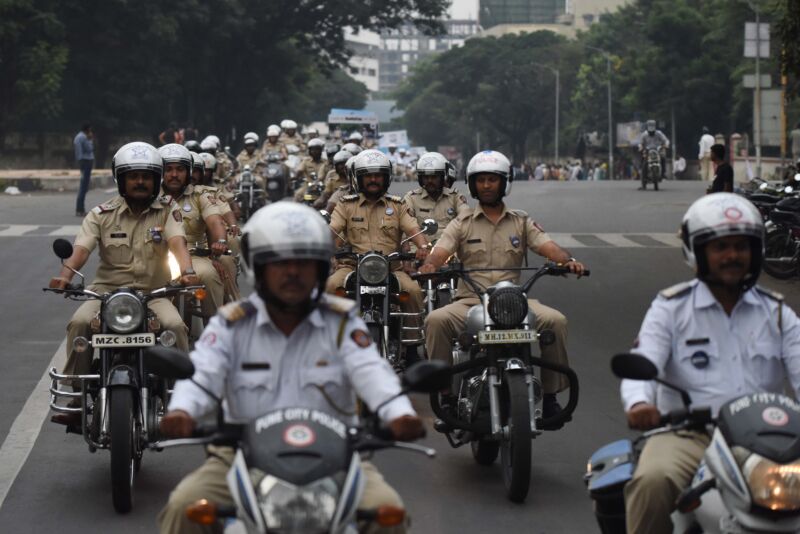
678,167
794,135
723,172
704,154
84,157
169,135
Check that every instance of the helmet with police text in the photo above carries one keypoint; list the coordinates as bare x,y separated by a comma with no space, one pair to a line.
491,162
720,215
273,130
137,156
175,153
192,146
372,162
209,162
209,145
431,164
285,231
651,126
353,148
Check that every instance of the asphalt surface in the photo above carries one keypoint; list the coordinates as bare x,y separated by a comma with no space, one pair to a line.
63,488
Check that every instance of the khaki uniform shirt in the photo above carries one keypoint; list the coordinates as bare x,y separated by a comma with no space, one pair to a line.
267,148
378,225
449,205
133,248
253,160
296,140
333,182
218,197
339,194
224,166
308,166
480,243
196,206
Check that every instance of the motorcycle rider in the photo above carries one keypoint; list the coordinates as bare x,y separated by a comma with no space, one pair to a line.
134,231
287,329
250,157
335,179
201,220
289,136
312,168
432,199
271,144
198,169
492,235
653,138
375,220
348,188
718,336
355,138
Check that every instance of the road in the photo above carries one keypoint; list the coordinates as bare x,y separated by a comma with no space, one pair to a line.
625,236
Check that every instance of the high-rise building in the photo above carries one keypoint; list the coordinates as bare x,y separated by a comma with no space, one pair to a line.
495,12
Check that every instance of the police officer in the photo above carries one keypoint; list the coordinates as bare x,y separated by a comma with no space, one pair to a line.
272,145
312,169
492,235
289,135
432,199
134,232
718,336
201,219
249,154
197,176
375,220
335,179
286,345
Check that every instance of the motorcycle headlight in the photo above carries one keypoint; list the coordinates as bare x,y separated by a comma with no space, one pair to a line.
508,306
773,486
289,508
374,269
123,313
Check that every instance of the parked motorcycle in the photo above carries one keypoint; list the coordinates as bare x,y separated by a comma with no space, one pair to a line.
298,469
651,170
748,480
376,291
494,382
122,400
249,195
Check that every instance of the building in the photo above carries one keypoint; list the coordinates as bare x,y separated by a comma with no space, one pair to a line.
495,12
364,64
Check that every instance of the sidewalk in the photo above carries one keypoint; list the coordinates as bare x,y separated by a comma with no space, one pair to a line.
52,179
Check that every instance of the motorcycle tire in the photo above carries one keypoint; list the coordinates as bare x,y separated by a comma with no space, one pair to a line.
644,182
655,185
442,298
376,333
485,451
515,450
122,429
779,244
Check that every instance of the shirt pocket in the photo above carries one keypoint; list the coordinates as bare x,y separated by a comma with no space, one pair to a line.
390,228
514,254
328,384
117,250
766,363
700,366
473,251
250,393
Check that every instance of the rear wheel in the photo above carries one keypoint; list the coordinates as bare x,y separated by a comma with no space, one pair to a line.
122,429
779,244
515,451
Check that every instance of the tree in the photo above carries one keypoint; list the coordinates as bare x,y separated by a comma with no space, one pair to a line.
788,29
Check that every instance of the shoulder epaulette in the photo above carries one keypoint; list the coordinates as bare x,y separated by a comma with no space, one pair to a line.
466,214
236,311
336,304
774,295
349,198
521,213
105,207
394,197
678,290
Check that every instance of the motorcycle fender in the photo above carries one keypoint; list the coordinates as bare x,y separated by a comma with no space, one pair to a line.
122,376
244,494
514,365
351,492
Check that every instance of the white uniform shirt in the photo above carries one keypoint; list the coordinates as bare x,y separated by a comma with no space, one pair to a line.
746,352
258,369
706,141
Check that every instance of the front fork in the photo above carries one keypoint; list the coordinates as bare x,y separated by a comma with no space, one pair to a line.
495,383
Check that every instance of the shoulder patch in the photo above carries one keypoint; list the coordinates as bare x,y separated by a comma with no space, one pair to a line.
106,207
336,304
774,295
466,214
394,198
521,213
349,198
236,311
678,290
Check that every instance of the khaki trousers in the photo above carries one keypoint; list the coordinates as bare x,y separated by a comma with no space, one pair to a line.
231,268
210,278
666,467
412,305
79,363
209,482
444,324
706,169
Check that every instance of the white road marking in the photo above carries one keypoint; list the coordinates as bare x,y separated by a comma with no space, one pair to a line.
16,230
69,230
566,241
618,240
669,239
26,427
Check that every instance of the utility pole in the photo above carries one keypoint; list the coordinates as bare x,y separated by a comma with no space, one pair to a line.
558,92
757,126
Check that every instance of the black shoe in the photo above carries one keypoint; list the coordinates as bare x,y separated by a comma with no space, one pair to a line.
551,408
412,356
68,419
440,426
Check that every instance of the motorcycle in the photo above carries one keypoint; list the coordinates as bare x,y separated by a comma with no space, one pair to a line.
249,195
314,190
651,172
376,291
496,389
782,235
122,401
293,163
748,480
275,177
298,469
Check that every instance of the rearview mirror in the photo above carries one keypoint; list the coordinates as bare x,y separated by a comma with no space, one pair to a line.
325,215
62,248
167,362
430,227
633,367
763,187
427,376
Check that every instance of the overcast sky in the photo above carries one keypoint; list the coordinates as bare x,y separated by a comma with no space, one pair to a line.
464,9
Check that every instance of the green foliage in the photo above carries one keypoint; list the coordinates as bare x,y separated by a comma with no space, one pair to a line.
788,29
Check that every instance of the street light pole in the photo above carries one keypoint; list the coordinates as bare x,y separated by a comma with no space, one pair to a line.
610,116
558,92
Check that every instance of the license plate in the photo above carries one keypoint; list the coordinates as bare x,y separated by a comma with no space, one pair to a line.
102,341
373,290
506,336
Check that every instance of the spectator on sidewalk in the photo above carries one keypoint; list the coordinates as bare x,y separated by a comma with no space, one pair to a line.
704,155
84,157
723,172
168,136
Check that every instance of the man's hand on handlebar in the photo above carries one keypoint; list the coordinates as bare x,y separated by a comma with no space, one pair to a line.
176,424
575,267
427,268
407,428
189,280
422,253
643,416
58,282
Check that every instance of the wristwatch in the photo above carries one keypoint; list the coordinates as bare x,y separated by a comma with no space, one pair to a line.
222,241
189,272
571,259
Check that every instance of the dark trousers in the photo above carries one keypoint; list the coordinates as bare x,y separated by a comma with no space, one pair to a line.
86,178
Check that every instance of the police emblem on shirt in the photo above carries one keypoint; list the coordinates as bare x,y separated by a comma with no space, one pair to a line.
451,211
514,241
389,210
361,338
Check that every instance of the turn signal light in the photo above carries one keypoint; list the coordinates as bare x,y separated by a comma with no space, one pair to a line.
404,296
200,294
390,516
80,344
340,292
202,512
94,324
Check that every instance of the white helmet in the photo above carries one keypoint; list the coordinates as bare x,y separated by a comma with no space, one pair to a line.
251,138
209,145
209,161
316,143
175,153
371,162
137,156
215,139
355,137
273,130
284,122
197,162
431,163
288,124
341,157
490,161
285,231
312,131
353,148
719,215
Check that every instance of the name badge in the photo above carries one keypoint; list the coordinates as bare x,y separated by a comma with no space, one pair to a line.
473,241
119,235
357,219
255,366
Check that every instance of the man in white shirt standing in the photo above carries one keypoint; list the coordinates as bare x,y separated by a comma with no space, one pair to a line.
718,337
704,155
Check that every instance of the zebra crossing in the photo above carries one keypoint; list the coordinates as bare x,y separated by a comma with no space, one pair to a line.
566,240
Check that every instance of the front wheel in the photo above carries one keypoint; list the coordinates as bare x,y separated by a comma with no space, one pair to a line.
485,451
655,184
515,450
779,244
122,428
644,179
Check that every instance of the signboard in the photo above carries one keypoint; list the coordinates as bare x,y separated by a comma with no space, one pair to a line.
396,137
770,117
352,116
749,81
750,40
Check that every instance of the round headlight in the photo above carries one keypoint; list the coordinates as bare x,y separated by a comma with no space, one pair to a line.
773,486
123,313
508,306
288,508
373,269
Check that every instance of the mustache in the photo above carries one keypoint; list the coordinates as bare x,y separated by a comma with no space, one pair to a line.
733,265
